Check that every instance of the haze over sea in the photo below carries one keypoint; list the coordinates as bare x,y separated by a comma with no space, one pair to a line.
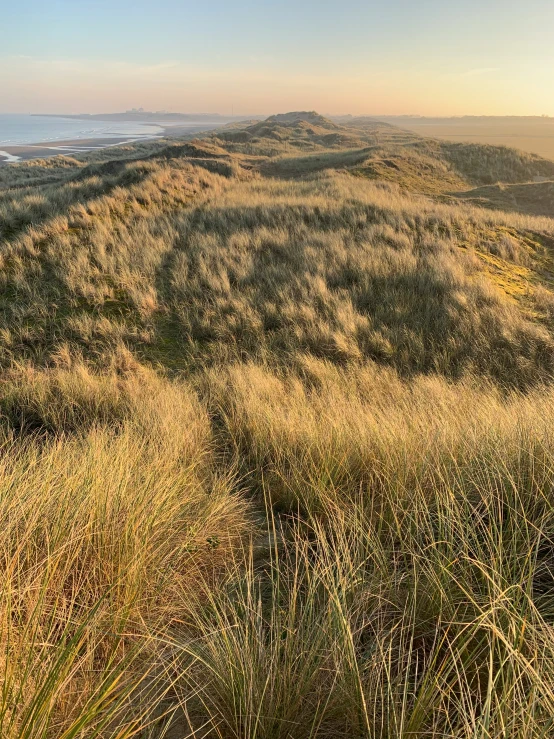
18,129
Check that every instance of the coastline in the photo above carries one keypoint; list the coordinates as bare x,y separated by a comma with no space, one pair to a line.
42,150
12,154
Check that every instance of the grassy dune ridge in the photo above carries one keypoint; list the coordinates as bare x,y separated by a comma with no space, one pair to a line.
276,448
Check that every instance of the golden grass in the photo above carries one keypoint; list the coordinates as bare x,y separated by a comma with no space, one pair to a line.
276,449
402,585
332,265
102,533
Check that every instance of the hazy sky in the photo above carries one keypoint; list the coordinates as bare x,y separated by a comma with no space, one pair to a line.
434,57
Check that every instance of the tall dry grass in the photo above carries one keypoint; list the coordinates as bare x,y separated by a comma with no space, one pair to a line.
188,266
411,592
400,585
111,508
276,455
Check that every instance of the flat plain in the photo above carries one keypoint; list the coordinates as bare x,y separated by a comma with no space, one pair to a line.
531,134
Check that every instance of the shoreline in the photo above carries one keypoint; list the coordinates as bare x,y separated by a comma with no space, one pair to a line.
16,153
23,152
11,154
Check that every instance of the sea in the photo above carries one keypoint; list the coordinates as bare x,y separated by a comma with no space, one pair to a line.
30,129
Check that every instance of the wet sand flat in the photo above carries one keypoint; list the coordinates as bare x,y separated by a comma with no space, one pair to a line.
23,152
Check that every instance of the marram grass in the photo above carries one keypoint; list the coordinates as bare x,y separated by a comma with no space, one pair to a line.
276,441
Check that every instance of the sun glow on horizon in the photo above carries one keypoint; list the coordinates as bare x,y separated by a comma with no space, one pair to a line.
357,57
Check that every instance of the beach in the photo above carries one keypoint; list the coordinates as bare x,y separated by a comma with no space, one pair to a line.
11,154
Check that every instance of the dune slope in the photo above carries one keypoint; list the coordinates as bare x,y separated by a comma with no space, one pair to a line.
276,417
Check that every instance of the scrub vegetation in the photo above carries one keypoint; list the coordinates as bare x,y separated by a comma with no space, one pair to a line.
276,438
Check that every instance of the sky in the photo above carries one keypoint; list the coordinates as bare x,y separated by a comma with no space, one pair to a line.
387,57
